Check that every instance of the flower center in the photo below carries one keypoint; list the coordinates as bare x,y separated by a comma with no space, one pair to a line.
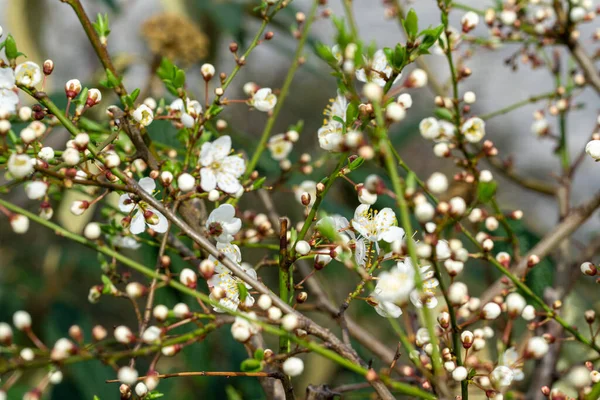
215,229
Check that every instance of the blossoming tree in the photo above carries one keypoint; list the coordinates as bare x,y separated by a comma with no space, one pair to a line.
412,259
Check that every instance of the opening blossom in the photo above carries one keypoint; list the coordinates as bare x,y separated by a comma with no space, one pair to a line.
144,213
379,66
330,134
28,74
144,115
377,225
222,224
20,165
264,100
279,146
219,169
8,98
473,129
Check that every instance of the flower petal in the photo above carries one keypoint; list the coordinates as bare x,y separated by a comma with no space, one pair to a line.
147,184
234,165
227,182
208,180
125,203
162,224
138,223
391,234
221,147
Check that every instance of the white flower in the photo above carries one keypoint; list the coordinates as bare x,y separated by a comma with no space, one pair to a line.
429,286
437,183
508,370
36,190
491,311
309,187
20,165
593,149
293,366
395,112
28,74
240,330
396,284
330,134
405,100
537,347
186,182
473,129
126,242
378,65
222,223
341,225
46,153
264,100
508,17
417,78
22,320
219,168
144,115
8,98
71,156
279,146
540,127
502,376
230,285
141,389
469,21
429,128
515,304
378,225
19,224
144,213
127,375
442,43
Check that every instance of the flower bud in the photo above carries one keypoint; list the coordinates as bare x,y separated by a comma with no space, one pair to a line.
207,71
302,247
293,366
127,375
289,322
22,320
72,88
160,312
491,311
181,310
124,335
587,268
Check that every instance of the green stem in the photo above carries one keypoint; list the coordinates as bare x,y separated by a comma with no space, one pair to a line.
317,348
519,104
282,95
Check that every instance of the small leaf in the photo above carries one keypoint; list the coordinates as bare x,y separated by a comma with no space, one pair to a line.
486,190
356,163
325,53
259,354
10,48
243,291
444,113
259,183
399,57
134,95
411,23
250,365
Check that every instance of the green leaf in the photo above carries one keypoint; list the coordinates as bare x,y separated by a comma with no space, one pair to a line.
259,354
10,48
259,183
96,397
444,113
399,57
154,395
108,285
486,190
389,54
325,53
251,365
134,95
81,100
356,163
352,112
327,230
243,291
411,23
111,80
430,36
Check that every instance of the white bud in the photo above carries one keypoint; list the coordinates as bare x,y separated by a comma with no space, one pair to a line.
491,223
186,182
274,313
207,71
55,377
151,334
508,17
289,322
141,389
395,112
429,128
515,304
437,183
27,135
160,312
537,347
92,231
587,268
181,310
6,333
424,212
71,156
22,320
19,223
46,153
127,375
458,293
405,100
593,149
372,91
81,140
293,366
441,150
528,313
366,197
486,176
577,14
491,311
213,195
460,374
123,334
135,290
264,302
302,247
457,206
27,354
417,78
111,159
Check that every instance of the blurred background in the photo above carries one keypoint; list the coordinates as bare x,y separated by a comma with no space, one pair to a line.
51,277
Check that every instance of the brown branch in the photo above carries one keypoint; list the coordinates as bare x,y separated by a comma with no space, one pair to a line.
549,242
227,374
